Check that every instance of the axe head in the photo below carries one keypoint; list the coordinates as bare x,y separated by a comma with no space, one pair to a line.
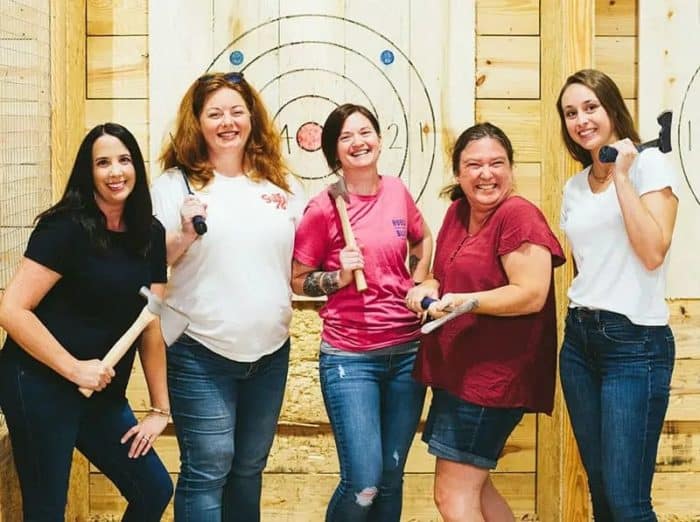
664,120
339,189
153,302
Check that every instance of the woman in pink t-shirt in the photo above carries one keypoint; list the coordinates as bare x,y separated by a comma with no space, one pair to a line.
369,338
486,368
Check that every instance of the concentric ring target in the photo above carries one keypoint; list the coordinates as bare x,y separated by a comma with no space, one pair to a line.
302,79
689,133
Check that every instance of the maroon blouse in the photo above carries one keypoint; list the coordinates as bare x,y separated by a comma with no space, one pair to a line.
488,360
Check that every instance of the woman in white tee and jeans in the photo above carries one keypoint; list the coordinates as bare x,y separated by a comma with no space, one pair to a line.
228,367
618,351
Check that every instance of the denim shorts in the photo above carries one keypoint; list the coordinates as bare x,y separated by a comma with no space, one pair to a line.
460,431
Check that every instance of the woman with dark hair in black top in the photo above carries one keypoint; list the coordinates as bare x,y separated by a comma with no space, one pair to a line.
74,294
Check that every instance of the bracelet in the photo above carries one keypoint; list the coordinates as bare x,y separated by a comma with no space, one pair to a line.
158,411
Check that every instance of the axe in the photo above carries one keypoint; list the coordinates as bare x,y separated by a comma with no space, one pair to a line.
465,307
663,142
152,309
339,192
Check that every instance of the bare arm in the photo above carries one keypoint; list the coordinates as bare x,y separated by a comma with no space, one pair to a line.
152,355
649,219
310,281
23,294
529,271
419,254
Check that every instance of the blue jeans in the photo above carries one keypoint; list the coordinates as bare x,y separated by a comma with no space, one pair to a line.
225,415
47,417
616,379
374,406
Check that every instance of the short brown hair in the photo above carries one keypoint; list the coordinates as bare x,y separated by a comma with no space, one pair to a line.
333,126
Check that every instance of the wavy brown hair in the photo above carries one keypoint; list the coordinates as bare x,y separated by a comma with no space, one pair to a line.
610,98
188,149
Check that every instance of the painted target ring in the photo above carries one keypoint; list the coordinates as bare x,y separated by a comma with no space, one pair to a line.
689,134
302,79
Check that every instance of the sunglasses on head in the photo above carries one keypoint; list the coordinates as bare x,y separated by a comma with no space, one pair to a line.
233,77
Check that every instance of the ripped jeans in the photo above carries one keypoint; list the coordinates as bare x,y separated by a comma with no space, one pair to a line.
374,406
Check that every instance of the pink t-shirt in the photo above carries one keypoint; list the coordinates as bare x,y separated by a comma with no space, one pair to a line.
382,223
484,359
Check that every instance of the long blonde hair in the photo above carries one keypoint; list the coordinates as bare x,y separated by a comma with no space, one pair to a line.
188,149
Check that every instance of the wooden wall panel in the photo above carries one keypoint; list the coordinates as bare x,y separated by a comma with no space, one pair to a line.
616,17
512,17
507,67
126,17
616,56
117,67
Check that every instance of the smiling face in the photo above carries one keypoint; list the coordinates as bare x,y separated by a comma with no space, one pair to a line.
113,172
225,121
485,174
359,144
587,122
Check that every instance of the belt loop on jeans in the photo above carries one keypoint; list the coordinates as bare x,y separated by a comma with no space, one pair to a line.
582,313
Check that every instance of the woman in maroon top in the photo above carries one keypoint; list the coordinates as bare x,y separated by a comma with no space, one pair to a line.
488,367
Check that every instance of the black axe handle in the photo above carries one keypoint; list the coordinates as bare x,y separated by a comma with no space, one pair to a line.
663,142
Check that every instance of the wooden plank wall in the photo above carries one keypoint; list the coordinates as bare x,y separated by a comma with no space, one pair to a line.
302,468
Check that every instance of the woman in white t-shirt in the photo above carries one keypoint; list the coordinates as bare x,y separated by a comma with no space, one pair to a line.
228,349
618,351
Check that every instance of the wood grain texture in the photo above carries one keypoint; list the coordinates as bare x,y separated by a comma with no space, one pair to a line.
68,114
126,17
117,67
559,471
616,17
520,120
512,17
616,56
507,67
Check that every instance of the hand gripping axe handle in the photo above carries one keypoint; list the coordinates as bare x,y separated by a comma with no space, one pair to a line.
339,192
117,351
608,154
465,307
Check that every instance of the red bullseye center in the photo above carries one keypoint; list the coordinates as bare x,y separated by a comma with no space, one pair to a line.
309,136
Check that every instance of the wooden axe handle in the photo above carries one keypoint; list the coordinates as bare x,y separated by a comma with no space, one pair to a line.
360,281
117,351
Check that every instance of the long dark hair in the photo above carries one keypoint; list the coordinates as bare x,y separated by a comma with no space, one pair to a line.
610,98
78,199
474,133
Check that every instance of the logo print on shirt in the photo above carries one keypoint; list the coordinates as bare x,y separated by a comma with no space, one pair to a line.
276,199
399,227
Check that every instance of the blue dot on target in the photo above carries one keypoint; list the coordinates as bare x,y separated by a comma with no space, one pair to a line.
387,57
236,58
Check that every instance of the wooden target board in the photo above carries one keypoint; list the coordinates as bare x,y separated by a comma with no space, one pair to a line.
410,62
669,78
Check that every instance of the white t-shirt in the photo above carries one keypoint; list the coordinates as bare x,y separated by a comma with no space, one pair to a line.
232,283
610,275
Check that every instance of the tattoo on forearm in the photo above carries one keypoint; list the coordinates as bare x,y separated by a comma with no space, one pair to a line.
413,261
321,283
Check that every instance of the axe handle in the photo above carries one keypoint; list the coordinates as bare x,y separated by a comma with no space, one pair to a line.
360,281
117,351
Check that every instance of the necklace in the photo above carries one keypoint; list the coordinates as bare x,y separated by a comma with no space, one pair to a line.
600,179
